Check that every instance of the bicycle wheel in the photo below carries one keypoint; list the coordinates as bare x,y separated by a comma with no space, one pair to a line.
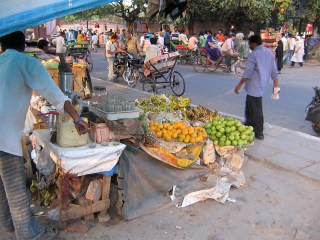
214,65
90,63
240,67
149,85
200,64
178,85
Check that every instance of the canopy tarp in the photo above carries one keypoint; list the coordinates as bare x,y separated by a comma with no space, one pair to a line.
22,14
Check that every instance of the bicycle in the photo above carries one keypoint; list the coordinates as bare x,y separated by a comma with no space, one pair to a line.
163,67
203,63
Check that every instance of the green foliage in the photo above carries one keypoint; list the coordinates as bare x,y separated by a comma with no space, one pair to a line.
128,12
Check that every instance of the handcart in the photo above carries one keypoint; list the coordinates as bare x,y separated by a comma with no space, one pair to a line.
80,52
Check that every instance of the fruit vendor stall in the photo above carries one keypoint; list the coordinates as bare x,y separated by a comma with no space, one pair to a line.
161,150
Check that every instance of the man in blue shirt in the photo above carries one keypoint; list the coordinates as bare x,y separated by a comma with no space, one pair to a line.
20,74
260,68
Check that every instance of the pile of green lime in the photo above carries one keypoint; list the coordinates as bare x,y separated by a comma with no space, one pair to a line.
229,132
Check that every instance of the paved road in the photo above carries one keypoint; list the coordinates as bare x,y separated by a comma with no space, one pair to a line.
215,90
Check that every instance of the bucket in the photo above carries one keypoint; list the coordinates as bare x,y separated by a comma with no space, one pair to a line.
66,82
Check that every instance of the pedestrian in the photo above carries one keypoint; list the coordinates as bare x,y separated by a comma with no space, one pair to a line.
291,44
279,56
145,43
79,36
161,39
193,42
251,33
111,51
183,39
20,75
260,68
132,46
61,46
298,52
175,36
94,42
285,47
220,36
167,37
123,37
202,40
228,51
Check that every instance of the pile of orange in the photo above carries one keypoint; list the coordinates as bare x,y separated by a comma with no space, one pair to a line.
178,131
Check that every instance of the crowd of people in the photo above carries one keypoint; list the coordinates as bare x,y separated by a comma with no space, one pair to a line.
291,50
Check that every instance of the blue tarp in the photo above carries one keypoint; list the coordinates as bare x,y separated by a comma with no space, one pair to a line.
22,14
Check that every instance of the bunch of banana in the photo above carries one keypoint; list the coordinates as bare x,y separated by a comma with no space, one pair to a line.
157,103
201,114
183,102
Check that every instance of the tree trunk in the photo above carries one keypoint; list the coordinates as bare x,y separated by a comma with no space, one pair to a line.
130,26
191,25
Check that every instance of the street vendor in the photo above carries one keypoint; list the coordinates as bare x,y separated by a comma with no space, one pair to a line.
20,74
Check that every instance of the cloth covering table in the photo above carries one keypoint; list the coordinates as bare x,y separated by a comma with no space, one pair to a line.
79,160
75,162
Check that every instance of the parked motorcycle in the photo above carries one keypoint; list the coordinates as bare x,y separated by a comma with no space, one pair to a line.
127,67
313,111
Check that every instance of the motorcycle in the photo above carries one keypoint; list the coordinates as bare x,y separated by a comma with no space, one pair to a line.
313,111
127,67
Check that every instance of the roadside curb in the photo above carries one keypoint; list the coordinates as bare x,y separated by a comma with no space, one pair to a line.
275,150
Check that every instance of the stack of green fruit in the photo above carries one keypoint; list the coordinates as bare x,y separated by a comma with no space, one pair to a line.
229,132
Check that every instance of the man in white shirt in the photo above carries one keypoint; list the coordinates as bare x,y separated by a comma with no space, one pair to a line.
183,38
175,35
153,50
60,44
292,43
228,51
111,51
20,75
94,42
285,47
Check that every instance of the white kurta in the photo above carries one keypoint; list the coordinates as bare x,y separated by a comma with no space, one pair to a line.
298,52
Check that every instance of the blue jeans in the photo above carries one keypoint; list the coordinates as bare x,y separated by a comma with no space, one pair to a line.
15,214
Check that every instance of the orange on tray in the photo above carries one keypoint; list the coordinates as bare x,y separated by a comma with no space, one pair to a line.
178,131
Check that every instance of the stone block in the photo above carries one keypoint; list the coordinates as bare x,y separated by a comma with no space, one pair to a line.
94,190
288,161
261,152
312,171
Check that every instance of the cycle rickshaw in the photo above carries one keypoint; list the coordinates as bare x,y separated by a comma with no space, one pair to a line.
160,74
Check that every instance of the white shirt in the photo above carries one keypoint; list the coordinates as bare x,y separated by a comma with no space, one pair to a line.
183,38
285,43
94,39
20,74
240,36
292,43
60,45
152,52
161,40
111,47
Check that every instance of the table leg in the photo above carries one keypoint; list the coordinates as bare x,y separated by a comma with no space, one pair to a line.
106,182
64,196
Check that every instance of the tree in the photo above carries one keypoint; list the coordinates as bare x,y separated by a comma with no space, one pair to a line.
128,12
131,12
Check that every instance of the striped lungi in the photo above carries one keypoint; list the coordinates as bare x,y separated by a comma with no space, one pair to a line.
15,214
